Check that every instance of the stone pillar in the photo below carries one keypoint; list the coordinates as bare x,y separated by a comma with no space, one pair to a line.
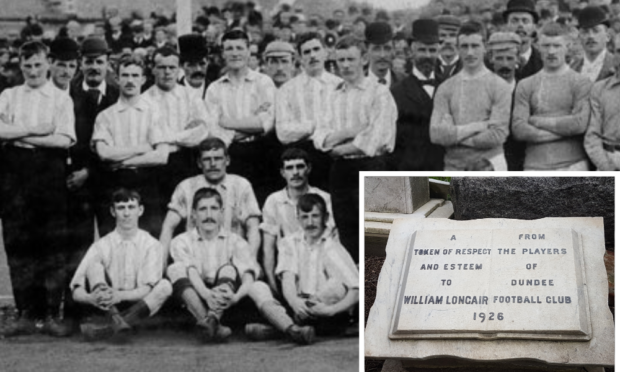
395,194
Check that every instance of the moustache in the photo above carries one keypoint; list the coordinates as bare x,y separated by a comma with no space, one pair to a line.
425,61
198,75
209,219
504,70
93,72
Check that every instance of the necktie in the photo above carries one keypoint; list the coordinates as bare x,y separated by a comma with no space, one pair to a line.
428,82
382,81
93,95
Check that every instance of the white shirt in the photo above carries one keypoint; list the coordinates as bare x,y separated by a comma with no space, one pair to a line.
591,70
388,77
429,89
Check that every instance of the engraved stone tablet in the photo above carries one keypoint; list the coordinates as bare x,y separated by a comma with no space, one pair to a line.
493,284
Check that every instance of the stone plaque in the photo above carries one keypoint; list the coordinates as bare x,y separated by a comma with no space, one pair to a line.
493,284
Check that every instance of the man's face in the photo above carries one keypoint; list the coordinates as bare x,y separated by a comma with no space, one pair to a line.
35,69
253,62
359,28
471,50
99,32
127,214
255,34
313,56
521,23
94,69
208,214
313,222
295,172
166,70
505,63
286,34
594,39
381,55
63,71
4,56
553,50
279,68
130,80
236,53
425,56
447,41
213,164
350,63
195,72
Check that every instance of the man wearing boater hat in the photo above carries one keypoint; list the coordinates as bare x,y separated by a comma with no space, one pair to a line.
597,63
193,53
64,55
381,53
521,18
414,100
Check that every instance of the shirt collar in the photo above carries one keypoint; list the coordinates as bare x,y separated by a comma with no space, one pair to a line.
47,89
444,63
221,234
321,241
527,54
176,91
223,184
286,199
597,61
362,85
388,77
417,73
249,76
101,87
141,105
478,75
118,238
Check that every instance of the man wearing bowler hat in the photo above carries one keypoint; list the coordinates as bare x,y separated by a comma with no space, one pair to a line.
449,62
414,100
381,53
193,53
597,63
91,94
64,55
521,18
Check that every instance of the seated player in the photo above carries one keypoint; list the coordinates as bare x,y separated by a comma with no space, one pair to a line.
214,269
319,278
280,210
120,274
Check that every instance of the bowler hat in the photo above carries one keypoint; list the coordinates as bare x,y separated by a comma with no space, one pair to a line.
64,49
525,6
591,16
378,33
94,47
192,47
425,31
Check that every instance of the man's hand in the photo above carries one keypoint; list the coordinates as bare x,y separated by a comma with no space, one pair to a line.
77,179
264,107
102,297
319,309
302,312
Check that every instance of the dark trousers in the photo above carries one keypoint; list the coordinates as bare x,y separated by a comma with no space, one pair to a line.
143,180
258,161
35,226
321,164
181,165
344,190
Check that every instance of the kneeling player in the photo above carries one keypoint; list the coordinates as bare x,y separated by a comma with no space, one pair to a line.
214,269
121,271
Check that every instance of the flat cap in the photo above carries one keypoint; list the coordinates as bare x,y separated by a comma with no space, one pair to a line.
278,49
94,47
448,21
64,49
378,33
503,40
591,16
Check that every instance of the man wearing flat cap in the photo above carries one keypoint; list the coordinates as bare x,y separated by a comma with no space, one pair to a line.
521,18
414,99
64,54
91,93
381,53
448,63
504,53
193,52
597,63
279,57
